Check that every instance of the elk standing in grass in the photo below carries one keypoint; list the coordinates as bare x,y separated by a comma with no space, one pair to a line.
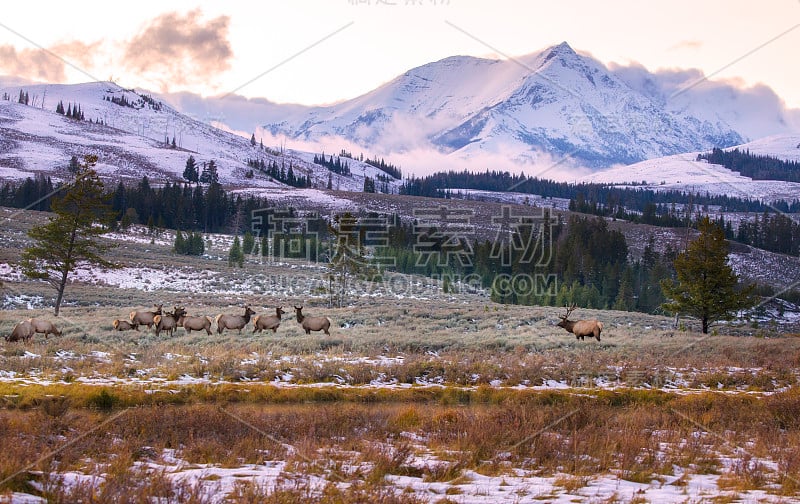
312,323
44,327
580,328
197,324
168,321
22,331
261,322
234,321
145,317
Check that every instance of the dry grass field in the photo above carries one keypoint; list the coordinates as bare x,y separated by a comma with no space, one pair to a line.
416,396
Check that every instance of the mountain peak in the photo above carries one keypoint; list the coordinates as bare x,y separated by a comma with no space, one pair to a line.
562,49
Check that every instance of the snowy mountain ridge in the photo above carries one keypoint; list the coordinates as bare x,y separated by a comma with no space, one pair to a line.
555,103
684,172
132,132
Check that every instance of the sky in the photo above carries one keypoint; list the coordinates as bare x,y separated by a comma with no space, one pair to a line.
323,51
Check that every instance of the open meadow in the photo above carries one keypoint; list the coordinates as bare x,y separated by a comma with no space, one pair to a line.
416,395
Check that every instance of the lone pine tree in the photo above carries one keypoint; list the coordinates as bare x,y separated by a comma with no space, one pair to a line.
71,236
706,286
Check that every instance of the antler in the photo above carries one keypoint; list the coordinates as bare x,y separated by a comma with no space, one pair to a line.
569,310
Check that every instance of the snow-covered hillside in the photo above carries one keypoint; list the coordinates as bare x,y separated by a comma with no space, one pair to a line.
552,104
685,172
136,139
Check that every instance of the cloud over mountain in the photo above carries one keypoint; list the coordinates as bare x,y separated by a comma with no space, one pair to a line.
31,64
177,49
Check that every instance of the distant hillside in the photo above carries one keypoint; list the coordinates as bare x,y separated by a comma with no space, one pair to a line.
135,134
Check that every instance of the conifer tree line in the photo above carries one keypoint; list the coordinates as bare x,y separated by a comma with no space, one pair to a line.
73,110
385,167
334,165
206,209
755,166
766,229
280,173
588,264
597,199
139,103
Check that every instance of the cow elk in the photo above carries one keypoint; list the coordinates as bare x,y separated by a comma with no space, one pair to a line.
44,327
124,325
145,317
234,321
168,321
197,324
580,328
312,323
23,331
261,322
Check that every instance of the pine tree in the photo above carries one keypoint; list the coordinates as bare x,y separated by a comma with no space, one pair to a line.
706,285
179,247
69,238
348,256
190,172
60,107
248,243
235,255
253,140
209,174
197,246
625,300
74,166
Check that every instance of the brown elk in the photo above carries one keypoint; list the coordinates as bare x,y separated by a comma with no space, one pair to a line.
145,317
234,321
312,323
197,324
261,322
44,327
22,331
580,328
123,325
168,321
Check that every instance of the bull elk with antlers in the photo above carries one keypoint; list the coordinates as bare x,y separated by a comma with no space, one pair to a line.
580,328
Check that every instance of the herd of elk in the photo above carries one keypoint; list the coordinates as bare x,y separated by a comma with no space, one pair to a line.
580,328
170,321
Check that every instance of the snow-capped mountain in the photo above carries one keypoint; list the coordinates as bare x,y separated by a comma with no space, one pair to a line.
555,102
132,133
